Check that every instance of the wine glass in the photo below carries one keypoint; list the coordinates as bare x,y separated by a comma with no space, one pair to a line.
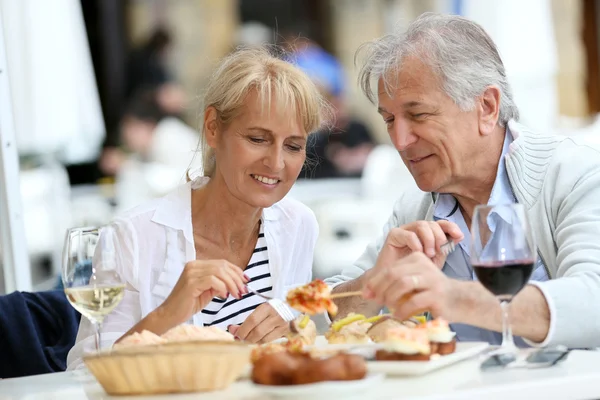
91,282
503,254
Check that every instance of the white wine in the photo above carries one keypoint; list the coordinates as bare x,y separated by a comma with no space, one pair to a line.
95,302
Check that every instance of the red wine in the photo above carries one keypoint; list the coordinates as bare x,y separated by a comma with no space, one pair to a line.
504,279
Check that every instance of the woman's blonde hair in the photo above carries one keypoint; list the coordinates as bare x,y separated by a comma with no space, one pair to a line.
273,79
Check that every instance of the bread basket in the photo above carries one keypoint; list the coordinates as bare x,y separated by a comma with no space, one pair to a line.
169,368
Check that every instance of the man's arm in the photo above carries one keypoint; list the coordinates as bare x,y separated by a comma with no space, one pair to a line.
529,313
354,304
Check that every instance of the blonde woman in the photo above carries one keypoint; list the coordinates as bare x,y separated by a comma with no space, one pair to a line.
191,255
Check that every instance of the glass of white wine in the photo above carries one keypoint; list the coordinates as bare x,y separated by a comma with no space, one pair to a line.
92,284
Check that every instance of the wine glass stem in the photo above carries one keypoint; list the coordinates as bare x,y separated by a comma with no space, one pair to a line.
508,343
98,327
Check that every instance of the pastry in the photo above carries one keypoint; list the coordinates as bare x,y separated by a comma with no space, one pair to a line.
405,344
313,298
144,338
186,332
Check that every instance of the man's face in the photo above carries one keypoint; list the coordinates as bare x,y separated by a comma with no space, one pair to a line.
435,138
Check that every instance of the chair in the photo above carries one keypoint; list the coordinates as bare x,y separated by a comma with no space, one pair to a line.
37,330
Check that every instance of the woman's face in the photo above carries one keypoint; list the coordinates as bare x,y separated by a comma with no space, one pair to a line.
260,153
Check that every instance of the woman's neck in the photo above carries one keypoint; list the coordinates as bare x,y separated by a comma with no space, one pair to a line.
221,218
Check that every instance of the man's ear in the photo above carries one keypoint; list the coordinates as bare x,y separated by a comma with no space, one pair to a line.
489,110
211,132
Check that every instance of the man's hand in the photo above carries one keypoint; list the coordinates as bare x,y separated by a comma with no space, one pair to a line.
413,285
421,236
262,326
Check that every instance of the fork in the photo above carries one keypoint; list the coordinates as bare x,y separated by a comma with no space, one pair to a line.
448,247
278,305
258,294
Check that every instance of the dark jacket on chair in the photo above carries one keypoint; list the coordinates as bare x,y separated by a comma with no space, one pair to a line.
37,330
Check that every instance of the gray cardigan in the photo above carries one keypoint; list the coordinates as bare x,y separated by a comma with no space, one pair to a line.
558,180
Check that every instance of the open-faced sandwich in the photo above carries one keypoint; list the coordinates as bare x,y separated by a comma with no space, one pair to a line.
378,331
350,330
304,329
441,338
405,344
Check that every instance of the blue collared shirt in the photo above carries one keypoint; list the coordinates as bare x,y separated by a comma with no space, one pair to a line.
458,265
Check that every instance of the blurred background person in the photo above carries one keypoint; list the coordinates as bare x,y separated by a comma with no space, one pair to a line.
158,149
148,70
343,149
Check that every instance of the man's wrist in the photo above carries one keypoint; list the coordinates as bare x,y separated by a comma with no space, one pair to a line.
463,306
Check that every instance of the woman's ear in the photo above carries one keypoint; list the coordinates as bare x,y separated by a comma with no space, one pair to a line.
489,110
211,132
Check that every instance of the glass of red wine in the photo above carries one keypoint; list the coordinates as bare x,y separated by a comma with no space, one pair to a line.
503,254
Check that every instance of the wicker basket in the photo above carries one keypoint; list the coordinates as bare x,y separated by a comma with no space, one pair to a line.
169,368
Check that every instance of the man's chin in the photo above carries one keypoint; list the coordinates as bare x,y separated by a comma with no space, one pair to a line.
427,185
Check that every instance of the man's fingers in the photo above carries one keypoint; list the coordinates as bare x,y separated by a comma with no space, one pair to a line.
451,229
400,237
426,237
440,236
378,284
416,304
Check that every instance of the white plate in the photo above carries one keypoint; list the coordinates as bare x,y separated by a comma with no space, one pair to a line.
323,389
464,350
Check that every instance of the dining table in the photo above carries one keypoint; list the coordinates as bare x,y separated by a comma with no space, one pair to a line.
577,377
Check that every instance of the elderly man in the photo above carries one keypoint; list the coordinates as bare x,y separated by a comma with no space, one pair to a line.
442,91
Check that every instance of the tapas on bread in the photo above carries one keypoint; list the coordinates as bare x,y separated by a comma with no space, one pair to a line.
350,330
303,329
421,343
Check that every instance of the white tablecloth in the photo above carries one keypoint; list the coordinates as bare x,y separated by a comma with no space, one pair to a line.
577,378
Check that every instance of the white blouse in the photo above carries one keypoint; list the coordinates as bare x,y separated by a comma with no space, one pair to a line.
155,240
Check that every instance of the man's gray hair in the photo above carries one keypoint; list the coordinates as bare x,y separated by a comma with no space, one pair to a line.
458,51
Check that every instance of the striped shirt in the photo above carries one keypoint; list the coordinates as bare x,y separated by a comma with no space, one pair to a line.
231,311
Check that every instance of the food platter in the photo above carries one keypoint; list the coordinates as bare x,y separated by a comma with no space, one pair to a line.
464,351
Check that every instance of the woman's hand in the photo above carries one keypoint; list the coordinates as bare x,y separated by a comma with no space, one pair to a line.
262,326
198,284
